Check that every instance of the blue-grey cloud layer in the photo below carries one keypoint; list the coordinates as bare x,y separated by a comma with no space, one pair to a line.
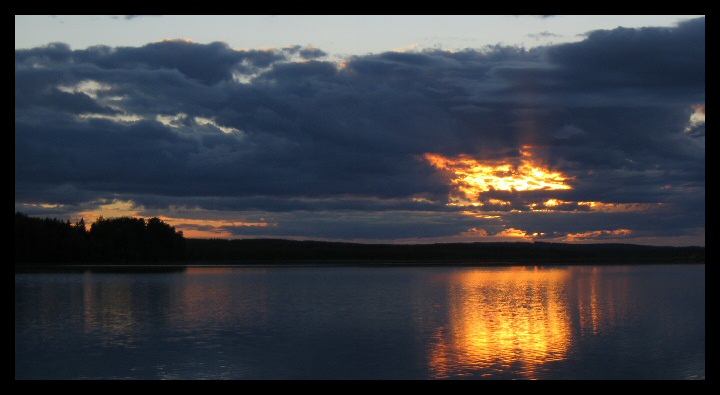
343,144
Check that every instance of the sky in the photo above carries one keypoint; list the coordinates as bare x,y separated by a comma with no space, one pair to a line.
372,129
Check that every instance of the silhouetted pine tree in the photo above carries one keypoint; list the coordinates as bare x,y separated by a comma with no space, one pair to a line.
113,240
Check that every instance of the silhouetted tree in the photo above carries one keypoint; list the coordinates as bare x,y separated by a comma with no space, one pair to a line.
109,240
47,241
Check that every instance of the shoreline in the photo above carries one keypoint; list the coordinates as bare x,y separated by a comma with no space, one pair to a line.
136,268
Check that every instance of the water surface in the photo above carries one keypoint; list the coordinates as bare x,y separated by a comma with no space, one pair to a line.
524,322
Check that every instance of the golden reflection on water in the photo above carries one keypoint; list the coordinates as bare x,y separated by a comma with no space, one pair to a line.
501,318
491,320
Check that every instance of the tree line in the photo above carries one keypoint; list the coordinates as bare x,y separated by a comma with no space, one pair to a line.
109,240
486,253
126,240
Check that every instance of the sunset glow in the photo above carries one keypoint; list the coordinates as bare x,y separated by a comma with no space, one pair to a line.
485,335
360,197
110,209
472,177
598,233
422,142
698,117
203,228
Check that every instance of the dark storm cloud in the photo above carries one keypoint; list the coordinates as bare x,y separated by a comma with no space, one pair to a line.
358,225
211,127
208,64
650,58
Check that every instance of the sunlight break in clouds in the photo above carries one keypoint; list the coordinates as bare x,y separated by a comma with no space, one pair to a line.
473,177
699,114
114,208
367,147
598,234
88,87
697,118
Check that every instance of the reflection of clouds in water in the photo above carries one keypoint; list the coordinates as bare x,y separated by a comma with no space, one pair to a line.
500,318
521,315
576,322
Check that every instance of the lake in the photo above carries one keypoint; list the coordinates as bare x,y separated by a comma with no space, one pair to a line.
620,322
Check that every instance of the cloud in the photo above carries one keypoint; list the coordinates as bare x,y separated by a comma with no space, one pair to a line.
131,17
542,35
339,150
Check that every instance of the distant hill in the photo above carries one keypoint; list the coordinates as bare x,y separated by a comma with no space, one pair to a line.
280,250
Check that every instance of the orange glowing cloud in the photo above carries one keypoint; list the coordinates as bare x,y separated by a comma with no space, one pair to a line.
472,177
476,231
697,118
512,232
110,209
699,114
598,233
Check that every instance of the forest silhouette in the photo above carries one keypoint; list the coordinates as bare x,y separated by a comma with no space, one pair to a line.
136,241
109,240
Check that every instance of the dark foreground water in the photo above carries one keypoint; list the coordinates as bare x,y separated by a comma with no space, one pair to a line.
576,322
